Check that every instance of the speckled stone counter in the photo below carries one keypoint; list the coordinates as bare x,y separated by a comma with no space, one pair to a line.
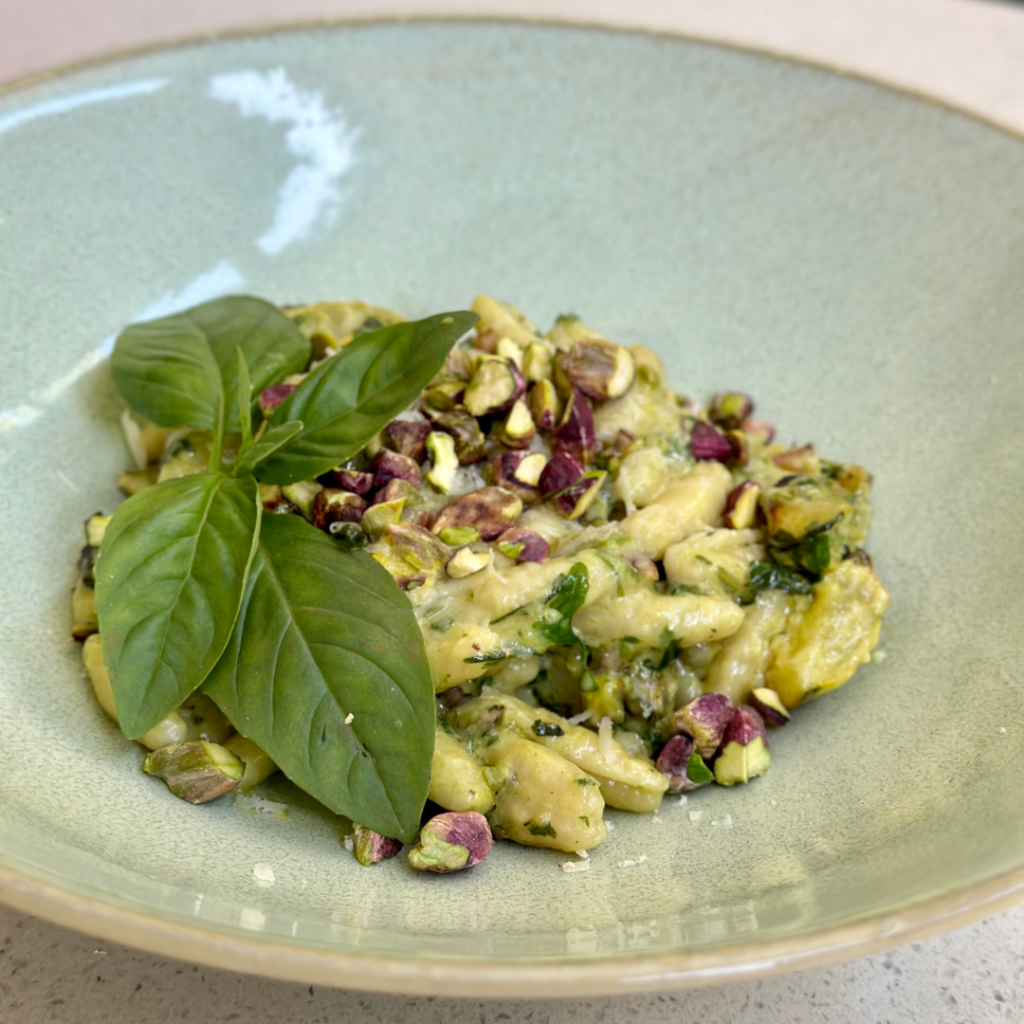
52,976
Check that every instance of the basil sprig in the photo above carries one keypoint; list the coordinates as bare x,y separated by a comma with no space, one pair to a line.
310,648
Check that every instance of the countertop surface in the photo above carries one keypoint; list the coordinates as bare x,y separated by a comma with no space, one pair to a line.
971,976
968,53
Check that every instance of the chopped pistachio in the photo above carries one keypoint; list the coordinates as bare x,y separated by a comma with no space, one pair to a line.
377,517
451,842
444,396
333,505
270,494
518,430
544,404
599,368
492,510
537,362
466,562
798,460
470,444
574,501
730,408
271,398
407,437
371,847
529,469
496,384
742,507
459,536
745,753
446,462
575,433
389,465
560,471
770,707
302,494
196,772
508,349
705,719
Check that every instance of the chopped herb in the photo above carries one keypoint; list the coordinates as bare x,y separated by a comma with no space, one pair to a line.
772,576
542,728
584,780
566,598
485,659
584,819
442,625
543,829
515,611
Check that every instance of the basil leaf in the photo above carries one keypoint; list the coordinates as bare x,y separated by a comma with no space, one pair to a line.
167,372
566,598
244,401
269,443
347,399
323,635
169,581
181,369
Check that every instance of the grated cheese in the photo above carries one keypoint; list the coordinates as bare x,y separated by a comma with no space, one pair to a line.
575,865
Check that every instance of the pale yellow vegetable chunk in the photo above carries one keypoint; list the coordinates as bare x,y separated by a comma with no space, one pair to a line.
638,785
740,663
542,799
654,618
457,781
690,503
823,645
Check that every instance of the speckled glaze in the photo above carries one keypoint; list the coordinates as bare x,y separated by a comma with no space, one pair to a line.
850,255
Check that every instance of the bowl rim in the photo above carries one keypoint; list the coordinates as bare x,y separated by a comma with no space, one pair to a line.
507,978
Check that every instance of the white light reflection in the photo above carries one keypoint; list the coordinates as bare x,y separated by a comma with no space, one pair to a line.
62,104
223,278
319,136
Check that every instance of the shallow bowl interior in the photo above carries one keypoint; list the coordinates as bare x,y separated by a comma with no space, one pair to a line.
850,255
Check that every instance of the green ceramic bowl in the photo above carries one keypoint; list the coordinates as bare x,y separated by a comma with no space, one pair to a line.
850,255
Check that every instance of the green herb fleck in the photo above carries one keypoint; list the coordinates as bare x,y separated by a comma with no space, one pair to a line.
484,659
542,728
542,829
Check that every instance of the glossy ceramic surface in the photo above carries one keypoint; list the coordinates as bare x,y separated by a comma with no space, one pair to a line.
850,255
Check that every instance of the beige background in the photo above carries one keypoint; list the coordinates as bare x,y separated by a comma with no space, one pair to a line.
967,52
